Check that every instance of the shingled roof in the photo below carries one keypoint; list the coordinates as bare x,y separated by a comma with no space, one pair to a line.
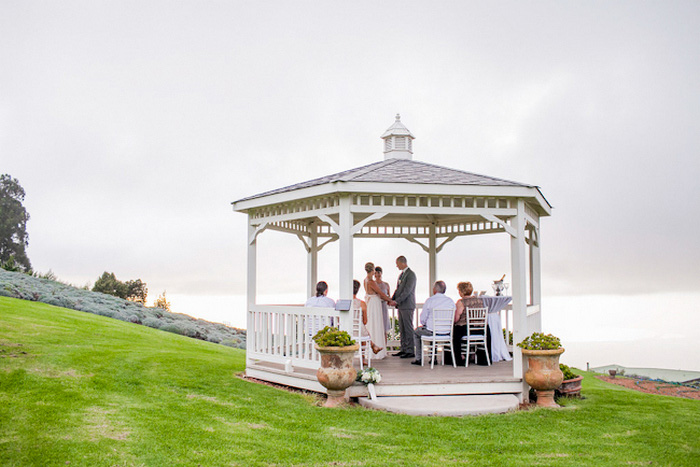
399,171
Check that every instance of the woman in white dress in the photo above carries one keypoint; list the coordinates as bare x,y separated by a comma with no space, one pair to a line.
358,304
375,319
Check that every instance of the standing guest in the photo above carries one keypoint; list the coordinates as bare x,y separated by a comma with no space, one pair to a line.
438,301
404,299
320,300
386,289
375,322
468,300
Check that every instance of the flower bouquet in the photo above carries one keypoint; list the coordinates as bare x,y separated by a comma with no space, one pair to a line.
369,376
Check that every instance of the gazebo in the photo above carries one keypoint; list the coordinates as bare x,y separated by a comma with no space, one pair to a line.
397,197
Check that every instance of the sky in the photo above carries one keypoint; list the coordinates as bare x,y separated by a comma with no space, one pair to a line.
132,126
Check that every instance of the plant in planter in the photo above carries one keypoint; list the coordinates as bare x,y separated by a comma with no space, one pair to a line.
543,374
571,386
336,374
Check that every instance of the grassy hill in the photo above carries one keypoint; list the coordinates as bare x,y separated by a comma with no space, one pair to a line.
82,389
39,289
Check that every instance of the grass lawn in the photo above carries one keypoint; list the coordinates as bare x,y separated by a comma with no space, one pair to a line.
81,389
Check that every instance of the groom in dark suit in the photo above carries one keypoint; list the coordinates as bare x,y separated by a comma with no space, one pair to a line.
404,299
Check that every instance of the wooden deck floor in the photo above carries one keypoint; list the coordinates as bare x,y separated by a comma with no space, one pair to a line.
399,377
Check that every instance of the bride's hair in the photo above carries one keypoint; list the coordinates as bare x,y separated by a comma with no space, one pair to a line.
369,267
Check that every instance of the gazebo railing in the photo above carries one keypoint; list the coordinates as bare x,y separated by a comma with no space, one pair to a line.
283,333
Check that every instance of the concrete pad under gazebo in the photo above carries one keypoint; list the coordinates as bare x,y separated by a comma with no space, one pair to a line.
397,197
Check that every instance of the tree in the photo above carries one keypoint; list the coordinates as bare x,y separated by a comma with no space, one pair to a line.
162,302
136,291
110,285
13,224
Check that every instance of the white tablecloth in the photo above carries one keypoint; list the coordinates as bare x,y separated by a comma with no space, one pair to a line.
499,349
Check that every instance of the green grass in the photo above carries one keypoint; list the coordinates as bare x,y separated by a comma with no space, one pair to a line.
90,390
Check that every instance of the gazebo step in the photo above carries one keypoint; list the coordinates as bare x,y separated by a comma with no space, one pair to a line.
444,406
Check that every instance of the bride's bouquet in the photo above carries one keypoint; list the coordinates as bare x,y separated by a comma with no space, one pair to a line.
369,376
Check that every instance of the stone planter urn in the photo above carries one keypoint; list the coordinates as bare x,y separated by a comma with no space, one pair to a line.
543,374
571,387
336,373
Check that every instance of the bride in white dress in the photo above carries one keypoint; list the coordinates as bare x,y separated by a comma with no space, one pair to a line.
375,319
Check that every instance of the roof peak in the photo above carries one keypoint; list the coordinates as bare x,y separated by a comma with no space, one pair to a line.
398,141
397,129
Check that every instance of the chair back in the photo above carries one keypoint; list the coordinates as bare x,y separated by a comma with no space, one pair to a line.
443,321
476,320
356,320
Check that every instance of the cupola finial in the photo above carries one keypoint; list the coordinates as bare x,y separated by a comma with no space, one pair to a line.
398,141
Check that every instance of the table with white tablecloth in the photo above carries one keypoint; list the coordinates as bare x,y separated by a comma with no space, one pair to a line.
499,349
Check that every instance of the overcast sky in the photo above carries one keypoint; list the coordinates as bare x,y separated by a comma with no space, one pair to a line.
133,125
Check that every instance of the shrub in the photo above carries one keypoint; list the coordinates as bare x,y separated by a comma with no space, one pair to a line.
162,303
540,341
568,374
333,337
152,323
172,327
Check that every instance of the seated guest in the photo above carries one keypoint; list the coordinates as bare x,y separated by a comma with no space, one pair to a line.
360,304
438,301
321,300
468,300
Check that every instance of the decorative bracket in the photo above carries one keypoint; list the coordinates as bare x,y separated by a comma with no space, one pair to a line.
355,228
413,239
447,240
535,236
358,227
330,240
334,225
258,230
318,247
508,228
306,244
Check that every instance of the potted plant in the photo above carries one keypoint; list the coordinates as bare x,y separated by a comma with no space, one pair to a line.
543,373
571,386
336,374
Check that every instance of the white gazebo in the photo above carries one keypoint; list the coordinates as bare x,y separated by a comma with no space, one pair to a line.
397,197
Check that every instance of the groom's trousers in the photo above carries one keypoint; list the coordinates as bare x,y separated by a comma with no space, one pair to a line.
406,329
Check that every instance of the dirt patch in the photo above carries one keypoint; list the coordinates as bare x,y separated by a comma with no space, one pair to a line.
13,350
654,387
209,399
99,424
314,398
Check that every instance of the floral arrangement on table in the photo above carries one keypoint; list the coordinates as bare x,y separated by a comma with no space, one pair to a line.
568,374
369,376
333,337
540,341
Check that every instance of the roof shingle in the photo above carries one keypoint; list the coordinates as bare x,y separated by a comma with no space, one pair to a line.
399,171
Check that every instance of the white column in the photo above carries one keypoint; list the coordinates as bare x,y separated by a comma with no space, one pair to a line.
432,257
312,261
345,246
519,288
251,287
535,277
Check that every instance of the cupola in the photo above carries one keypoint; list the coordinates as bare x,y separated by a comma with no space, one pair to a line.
398,141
